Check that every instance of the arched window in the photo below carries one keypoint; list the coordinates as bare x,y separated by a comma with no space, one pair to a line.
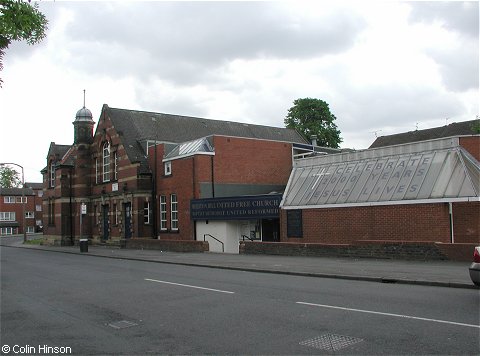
106,162
52,174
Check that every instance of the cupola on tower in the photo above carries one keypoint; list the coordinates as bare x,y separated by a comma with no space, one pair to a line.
83,126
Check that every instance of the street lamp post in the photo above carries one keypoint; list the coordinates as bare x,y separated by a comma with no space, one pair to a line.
154,188
23,198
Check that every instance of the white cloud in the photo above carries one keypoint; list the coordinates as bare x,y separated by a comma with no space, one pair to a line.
380,65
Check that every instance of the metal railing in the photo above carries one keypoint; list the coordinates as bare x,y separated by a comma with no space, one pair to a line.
213,237
245,236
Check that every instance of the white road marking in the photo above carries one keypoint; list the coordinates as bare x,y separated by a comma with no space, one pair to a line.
390,314
189,286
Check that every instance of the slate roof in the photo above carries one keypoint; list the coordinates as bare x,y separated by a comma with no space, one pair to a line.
136,126
15,191
34,185
454,129
58,150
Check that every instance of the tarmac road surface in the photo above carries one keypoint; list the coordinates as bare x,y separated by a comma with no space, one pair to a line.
93,306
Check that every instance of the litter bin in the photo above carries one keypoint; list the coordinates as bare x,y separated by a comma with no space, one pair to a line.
83,245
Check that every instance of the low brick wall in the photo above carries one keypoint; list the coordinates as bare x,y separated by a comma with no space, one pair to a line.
166,245
423,251
458,252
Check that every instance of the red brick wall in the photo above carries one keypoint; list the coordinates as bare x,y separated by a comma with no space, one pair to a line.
181,183
466,222
248,161
416,222
17,208
472,145
236,160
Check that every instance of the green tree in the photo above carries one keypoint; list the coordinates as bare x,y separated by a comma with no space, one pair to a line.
9,178
313,117
19,20
476,125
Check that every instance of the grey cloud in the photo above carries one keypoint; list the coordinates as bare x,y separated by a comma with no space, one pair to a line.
375,108
456,16
460,68
181,41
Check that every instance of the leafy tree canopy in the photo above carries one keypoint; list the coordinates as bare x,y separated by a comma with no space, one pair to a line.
19,20
9,178
313,117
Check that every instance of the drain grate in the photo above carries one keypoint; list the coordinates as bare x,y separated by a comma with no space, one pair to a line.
123,324
331,342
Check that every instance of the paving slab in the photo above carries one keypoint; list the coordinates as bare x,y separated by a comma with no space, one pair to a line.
431,273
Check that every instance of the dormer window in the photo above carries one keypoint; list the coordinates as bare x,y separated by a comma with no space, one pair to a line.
106,162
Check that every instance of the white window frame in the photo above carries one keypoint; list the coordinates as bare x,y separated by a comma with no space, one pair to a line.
146,213
6,230
174,212
52,175
163,212
40,193
38,207
7,216
106,162
168,168
9,200
30,229
21,200
29,215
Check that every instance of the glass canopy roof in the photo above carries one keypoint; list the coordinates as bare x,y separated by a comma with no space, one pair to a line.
403,173
201,145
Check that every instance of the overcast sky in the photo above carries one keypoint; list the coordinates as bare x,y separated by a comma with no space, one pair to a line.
382,66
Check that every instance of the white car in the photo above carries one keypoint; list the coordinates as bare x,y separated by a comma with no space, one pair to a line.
475,267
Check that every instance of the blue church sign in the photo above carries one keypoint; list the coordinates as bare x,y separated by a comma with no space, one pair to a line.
236,208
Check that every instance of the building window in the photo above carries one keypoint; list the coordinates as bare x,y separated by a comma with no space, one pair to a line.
38,207
163,212
30,229
21,199
52,175
174,212
40,193
106,162
168,168
146,213
9,200
115,165
29,215
6,230
7,216
38,222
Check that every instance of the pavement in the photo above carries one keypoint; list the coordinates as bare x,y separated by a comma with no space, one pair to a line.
428,273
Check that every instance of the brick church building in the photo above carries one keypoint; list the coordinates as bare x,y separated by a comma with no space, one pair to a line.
409,188
137,174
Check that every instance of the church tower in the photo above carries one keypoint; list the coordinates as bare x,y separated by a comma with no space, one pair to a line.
83,125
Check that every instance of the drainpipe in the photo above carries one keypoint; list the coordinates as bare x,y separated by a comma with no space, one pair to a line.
72,233
213,177
450,214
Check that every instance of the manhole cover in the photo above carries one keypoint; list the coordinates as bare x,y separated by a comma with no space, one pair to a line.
122,324
331,342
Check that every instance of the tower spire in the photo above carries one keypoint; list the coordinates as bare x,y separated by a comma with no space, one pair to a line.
83,97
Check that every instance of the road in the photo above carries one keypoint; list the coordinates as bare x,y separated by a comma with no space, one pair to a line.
91,306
